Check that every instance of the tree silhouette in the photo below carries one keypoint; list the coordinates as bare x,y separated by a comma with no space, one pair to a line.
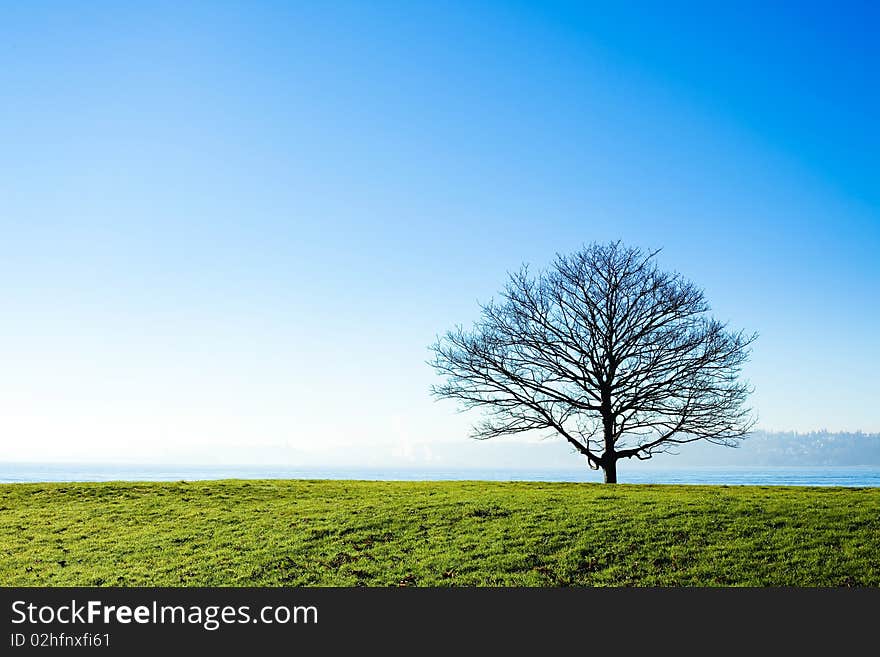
606,350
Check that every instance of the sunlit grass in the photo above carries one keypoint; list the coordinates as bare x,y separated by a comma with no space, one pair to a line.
347,533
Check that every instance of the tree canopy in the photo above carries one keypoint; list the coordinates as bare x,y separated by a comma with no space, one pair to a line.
606,350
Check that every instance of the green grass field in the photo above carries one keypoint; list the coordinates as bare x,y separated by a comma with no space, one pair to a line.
345,533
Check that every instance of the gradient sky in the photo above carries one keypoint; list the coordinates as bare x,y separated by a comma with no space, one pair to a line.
233,226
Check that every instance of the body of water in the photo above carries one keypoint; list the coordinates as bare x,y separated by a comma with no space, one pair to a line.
730,476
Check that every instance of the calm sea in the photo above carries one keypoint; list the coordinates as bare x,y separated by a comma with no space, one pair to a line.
730,476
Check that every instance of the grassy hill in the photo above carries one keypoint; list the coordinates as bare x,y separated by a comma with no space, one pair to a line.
294,533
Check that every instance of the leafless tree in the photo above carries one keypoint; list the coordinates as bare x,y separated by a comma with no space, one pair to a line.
606,350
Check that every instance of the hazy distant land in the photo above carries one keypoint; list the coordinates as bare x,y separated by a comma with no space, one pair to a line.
760,449
791,449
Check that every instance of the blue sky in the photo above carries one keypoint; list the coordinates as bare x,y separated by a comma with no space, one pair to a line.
235,226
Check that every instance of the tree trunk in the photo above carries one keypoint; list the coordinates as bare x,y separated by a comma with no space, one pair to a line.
609,458
610,469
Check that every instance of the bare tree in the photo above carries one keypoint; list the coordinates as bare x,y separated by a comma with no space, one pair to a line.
606,350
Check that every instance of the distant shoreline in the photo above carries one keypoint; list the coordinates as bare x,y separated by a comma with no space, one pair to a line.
734,475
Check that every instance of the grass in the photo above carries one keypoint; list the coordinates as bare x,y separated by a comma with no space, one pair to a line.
353,533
